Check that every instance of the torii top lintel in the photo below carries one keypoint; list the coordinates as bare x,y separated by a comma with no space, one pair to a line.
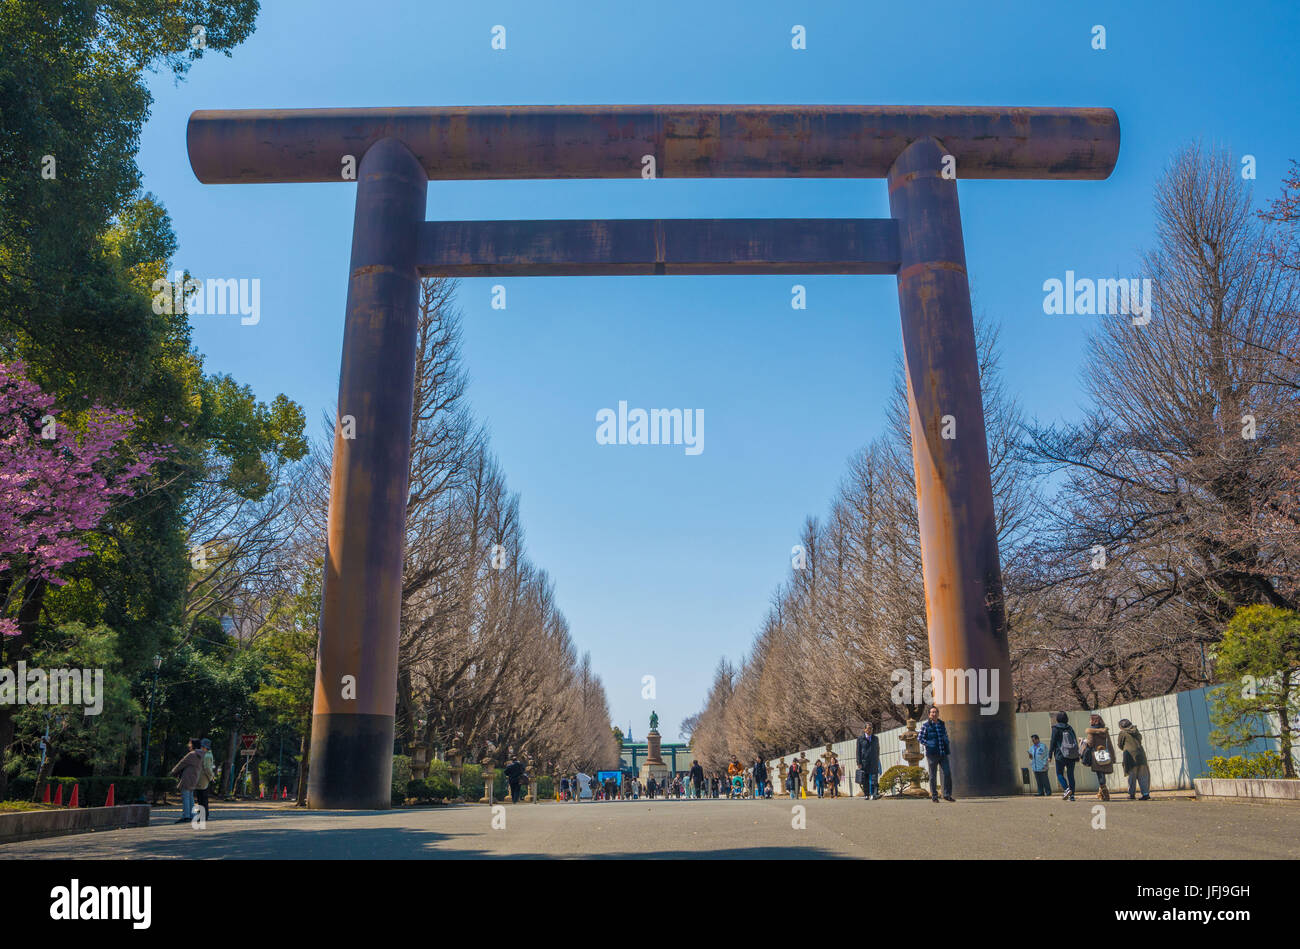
687,141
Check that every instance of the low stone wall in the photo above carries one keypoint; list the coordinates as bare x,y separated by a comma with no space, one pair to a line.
30,825
1251,790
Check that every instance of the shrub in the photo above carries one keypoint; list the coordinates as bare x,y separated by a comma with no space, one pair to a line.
900,776
401,778
94,790
1264,764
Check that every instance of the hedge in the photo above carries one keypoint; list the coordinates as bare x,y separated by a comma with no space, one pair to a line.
93,791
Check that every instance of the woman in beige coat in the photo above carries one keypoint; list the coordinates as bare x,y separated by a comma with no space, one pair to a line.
1100,753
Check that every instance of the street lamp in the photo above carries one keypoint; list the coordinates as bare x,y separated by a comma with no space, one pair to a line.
148,739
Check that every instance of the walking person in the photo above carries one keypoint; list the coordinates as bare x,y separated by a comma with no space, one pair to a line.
833,777
188,771
819,778
792,780
868,757
1064,747
206,778
514,774
1099,753
697,778
760,778
1134,759
1038,764
933,737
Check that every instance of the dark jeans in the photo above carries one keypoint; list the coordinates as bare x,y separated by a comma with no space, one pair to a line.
1064,770
1044,786
871,790
201,797
935,764
514,792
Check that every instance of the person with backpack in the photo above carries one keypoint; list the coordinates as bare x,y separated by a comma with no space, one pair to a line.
792,780
760,778
933,738
819,778
1099,753
1064,748
1134,759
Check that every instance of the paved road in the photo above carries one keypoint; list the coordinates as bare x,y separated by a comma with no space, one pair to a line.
1021,828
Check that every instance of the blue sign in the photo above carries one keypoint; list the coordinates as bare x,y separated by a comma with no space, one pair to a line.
603,776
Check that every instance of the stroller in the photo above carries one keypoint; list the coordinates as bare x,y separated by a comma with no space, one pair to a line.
737,785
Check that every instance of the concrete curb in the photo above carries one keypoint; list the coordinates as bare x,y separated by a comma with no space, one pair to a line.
31,825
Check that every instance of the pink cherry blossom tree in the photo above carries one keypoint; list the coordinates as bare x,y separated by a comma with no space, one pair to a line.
57,481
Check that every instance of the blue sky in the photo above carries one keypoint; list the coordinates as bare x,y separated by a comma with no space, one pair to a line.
664,562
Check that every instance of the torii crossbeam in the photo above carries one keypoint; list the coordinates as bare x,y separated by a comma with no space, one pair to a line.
920,150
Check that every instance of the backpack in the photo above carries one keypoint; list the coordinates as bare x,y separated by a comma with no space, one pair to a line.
1069,745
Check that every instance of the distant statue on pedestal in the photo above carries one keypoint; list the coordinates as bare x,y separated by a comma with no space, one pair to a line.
654,722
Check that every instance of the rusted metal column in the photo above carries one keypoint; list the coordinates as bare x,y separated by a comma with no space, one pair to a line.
356,668
959,547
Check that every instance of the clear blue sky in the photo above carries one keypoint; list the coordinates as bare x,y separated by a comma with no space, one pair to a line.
664,562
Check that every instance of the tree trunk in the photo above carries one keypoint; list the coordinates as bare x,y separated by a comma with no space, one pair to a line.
229,782
44,772
6,738
304,761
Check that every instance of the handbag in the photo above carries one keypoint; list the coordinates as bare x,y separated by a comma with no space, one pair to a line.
860,778
1086,757
1102,756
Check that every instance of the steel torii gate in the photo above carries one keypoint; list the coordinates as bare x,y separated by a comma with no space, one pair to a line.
396,152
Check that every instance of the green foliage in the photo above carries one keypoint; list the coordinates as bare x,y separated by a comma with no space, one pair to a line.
96,739
1259,660
288,654
1266,764
93,791
401,777
895,779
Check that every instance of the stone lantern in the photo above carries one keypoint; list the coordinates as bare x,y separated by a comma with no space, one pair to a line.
803,772
913,755
488,774
456,759
784,770
419,760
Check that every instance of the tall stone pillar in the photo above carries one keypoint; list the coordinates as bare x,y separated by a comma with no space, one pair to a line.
356,668
954,492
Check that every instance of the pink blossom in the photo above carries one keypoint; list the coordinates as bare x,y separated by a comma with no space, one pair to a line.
52,490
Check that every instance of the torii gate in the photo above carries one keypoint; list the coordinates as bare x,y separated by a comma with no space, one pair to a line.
395,153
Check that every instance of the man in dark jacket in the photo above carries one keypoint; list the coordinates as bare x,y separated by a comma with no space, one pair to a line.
760,779
933,738
869,761
697,778
514,774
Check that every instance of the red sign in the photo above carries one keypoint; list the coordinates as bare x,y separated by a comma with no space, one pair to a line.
248,741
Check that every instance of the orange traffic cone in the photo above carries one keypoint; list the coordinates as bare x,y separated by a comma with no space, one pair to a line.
58,795
46,798
109,802
72,802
